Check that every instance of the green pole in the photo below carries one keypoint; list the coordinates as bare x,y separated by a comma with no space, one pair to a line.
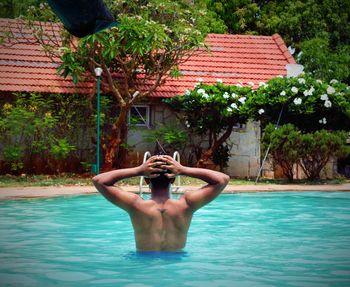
98,128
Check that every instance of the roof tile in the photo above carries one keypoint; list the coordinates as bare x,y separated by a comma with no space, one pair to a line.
232,58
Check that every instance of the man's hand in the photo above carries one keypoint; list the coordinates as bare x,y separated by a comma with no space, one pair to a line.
152,167
172,167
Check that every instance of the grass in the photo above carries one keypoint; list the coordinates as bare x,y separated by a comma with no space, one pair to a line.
85,180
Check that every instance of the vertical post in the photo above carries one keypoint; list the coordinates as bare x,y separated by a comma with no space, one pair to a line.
98,72
98,128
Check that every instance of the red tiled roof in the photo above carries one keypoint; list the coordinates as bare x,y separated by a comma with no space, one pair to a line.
232,58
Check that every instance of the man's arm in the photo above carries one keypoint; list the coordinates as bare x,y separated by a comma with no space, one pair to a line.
104,183
217,181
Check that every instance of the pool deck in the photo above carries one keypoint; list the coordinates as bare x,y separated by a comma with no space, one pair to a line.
50,191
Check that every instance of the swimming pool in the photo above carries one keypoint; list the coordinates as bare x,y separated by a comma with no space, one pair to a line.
250,239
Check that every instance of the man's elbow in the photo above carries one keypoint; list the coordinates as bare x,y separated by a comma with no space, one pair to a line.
96,180
224,180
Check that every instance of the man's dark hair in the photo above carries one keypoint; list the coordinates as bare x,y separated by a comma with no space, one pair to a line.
160,181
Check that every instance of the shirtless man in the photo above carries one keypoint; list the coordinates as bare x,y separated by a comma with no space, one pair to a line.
161,223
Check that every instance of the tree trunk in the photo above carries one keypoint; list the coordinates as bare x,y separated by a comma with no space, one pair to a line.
115,154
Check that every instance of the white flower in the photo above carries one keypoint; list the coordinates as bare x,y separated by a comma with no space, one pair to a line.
229,110
219,81
323,121
262,84
242,100
201,91
188,126
283,93
279,76
239,85
330,90
233,106
226,95
327,104
324,97
261,111
234,95
196,85
319,81
200,80
205,95
251,84
309,92
294,90
333,81
187,92
297,101
301,81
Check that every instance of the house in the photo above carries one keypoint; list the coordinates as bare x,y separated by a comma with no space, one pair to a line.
234,59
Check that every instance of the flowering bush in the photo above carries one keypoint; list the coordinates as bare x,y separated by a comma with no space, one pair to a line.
212,110
307,103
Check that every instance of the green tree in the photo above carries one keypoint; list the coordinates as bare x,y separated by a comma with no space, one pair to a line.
284,146
147,46
16,8
308,103
302,24
34,128
317,148
289,146
211,111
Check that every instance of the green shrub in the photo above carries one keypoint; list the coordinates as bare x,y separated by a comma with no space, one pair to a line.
34,128
284,145
171,137
317,148
289,146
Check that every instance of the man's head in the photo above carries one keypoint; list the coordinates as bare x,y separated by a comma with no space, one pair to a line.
160,182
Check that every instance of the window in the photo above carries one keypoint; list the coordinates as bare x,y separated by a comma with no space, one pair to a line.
139,115
239,126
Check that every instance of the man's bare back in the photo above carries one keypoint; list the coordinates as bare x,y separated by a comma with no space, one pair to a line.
161,226
161,223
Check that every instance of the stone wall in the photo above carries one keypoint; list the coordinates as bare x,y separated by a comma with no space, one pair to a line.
245,153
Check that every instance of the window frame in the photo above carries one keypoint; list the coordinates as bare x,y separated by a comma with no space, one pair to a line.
148,114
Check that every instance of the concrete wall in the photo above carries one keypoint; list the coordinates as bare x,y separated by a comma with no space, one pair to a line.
159,114
245,153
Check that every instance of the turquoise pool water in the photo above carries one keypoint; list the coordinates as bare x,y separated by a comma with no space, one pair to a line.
255,239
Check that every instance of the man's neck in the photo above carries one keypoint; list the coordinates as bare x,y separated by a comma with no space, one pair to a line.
160,196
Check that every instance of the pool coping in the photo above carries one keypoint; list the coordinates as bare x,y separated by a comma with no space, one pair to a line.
8,193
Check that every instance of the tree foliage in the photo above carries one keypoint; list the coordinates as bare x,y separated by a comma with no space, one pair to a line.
34,128
302,24
137,56
283,143
308,103
211,111
16,8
